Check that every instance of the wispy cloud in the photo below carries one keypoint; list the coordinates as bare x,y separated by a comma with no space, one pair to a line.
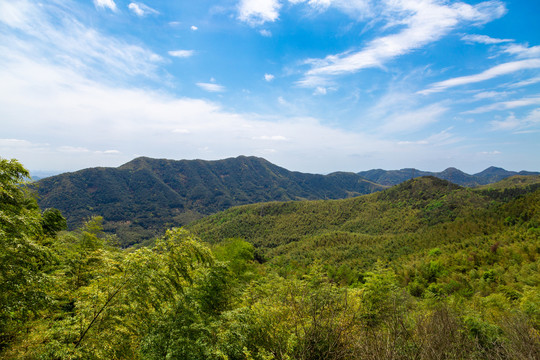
506,105
320,90
52,33
413,120
73,149
358,9
211,87
257,12
271,138
489,95
445,137
531,81
425,22
20,144
141,9
513,123
110,4
499,70
522,51
484,39
182,53
493,152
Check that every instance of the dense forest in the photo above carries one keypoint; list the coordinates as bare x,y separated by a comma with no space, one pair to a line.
424,270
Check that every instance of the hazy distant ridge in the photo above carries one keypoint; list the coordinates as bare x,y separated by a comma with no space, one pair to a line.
488,176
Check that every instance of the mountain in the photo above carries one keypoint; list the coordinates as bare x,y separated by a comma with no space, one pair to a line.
488,176
145,196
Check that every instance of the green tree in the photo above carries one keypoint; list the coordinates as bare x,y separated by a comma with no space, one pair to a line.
52,222
118,299
22,258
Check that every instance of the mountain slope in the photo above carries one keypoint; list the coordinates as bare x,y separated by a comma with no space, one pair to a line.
398,210
145,196
409,218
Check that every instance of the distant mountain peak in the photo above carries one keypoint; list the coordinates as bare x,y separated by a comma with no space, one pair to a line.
495,170
452,174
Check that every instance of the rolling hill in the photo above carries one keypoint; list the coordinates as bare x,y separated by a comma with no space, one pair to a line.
406,219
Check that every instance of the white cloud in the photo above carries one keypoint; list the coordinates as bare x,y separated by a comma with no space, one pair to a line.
182,53
358,9
110,4
527,82
265,33
257,12
494,152
194,28
211,87
484,39
269,77
412,120
522,51
499,70
513,123
490,95
505,105
17,143
271,138
425,22
442,138
141,9
319,90
181,131
71,44
73,149
418,142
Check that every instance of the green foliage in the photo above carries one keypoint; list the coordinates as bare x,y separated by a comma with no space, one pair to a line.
52,222
426,270
23,260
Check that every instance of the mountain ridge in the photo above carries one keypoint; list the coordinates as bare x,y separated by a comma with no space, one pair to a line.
490,175
143,197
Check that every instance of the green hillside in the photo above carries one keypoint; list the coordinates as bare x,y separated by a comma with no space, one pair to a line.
142,198
513,182
406,219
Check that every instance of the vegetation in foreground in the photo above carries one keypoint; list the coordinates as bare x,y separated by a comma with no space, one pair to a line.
427,270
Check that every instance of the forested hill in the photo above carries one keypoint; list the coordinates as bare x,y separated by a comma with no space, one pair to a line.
488,176
143,197
354,233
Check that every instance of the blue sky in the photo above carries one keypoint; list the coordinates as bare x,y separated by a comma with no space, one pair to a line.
311,85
